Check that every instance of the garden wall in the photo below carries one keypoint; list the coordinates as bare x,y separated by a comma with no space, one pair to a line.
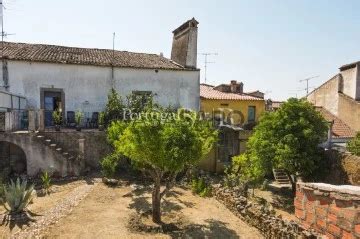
344,168
329,209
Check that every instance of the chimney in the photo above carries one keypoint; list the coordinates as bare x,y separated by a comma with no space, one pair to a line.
184,47
236,87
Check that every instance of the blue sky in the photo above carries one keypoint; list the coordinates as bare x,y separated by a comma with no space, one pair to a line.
268,45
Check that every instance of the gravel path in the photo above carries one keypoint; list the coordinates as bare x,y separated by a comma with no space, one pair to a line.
54,214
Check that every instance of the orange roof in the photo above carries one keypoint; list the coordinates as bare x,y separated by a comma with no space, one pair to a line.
208,92
340,129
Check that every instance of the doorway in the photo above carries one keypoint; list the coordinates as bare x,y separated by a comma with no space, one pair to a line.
52,100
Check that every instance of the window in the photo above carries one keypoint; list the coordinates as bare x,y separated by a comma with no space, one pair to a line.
251,113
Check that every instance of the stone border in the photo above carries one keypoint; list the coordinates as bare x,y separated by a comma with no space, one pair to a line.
260,217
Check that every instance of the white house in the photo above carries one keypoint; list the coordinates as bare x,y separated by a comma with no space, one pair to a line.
70,78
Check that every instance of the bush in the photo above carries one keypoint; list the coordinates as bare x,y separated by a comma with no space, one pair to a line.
57,117
109,165
46,181
200,187
17,196
353,145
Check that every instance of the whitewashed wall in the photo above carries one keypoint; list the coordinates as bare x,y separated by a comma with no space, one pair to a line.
86,87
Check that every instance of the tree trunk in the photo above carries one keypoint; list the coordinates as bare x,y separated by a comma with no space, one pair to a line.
156,201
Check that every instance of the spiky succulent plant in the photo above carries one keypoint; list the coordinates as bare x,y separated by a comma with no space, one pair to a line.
17,196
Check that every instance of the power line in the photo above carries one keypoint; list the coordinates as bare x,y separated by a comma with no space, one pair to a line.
206,62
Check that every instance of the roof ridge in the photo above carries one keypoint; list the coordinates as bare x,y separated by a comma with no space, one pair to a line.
87,48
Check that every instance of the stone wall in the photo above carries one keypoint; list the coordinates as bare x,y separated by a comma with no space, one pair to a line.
331,210
344,168
259,215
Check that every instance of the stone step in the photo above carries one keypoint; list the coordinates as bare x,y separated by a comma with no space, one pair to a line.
48,141
66,154
53,145
59,149
40,136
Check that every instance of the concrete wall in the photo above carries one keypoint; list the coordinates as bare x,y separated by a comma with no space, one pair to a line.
327,95
96,146
350,82
86,87
349,111
331,210
38,157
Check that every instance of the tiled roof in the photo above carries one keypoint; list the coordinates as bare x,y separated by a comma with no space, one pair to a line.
86,56
340,129
208,92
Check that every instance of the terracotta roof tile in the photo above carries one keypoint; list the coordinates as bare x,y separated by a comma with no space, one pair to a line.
208,92
86,56
340,129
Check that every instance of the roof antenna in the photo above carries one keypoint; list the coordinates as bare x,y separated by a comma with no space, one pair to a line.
206,62
307,83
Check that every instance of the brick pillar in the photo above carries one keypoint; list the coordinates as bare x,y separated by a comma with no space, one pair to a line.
41,114
32,120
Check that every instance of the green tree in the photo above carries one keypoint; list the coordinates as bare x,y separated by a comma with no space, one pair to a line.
163,146
288,138
114,108
354,145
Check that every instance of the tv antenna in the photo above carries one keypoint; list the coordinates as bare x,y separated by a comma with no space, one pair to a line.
307,83
3,33
206,62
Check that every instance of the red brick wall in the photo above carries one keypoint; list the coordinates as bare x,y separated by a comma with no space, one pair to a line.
331,210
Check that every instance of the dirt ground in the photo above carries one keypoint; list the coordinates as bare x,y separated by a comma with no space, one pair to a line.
39,206
106,212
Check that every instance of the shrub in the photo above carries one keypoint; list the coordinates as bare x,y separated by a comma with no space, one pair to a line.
101,118
200,187
46,181
109,165
57,117
78,117
17,196
353,145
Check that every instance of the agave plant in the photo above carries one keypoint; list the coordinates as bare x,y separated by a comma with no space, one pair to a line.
17,196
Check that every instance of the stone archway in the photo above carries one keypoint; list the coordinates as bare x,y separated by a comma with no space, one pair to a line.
12,160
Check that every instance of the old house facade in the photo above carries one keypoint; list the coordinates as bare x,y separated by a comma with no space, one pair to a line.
38,79
70,78
341,95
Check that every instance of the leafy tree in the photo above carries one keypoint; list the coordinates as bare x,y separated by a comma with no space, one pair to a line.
162,146
354,145
287,138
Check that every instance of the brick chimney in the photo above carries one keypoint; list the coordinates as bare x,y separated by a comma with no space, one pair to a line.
236,87
184,47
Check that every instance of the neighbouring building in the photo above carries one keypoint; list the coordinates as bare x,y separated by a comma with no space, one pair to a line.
341,95
37,79
235,113
273,105
339,132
